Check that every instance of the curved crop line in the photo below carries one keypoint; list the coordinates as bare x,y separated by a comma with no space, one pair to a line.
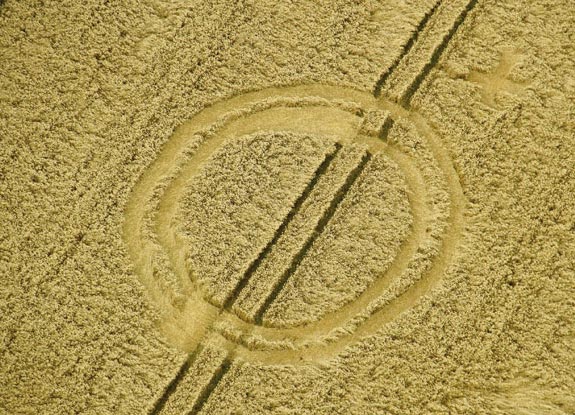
203,316
198,304
428,281
205,123
167,209
215,134
312,332
316,331
324,220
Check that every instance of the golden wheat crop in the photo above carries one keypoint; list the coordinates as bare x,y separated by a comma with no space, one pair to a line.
301,207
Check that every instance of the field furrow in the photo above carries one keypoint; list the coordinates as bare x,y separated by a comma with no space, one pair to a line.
406,48
194,382
279,234
242,196
355,248
283,253
405,78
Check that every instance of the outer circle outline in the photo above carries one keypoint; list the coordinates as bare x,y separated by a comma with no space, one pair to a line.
215,112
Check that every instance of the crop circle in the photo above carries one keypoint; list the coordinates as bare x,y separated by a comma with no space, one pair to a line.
351,122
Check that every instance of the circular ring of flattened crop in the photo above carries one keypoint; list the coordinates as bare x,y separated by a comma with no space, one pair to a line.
189,315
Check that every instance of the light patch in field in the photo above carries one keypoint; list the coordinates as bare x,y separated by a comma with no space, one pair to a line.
160,246
498,81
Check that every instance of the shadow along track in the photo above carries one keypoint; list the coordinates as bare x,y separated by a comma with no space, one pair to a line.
406,99
161,402
340,195
281,229
405,50
211,386
408,298
322,352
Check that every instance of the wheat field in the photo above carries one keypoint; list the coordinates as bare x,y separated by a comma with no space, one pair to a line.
292,207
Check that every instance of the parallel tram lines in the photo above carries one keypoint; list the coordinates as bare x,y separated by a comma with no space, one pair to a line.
398,84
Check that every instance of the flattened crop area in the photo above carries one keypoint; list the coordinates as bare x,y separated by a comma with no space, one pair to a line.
349,213
282,225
